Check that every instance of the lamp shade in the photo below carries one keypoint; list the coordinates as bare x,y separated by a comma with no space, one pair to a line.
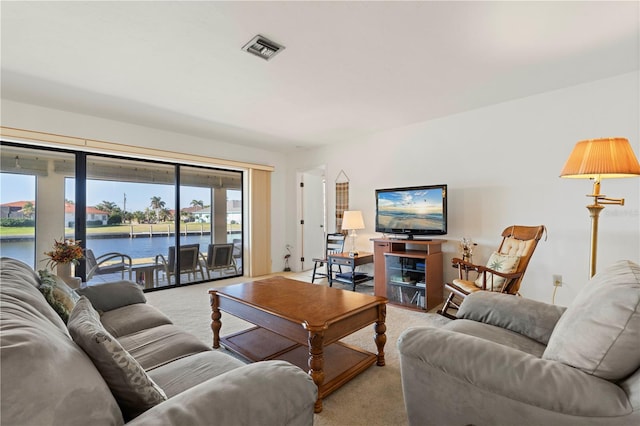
352,219
601,158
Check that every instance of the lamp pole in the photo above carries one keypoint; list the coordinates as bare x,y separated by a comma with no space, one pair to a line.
594,212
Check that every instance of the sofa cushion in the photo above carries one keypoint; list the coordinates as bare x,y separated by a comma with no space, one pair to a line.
506,263
20,284
57,293
132,318
112,295
159,345
46,378
599,332
134,390
185,373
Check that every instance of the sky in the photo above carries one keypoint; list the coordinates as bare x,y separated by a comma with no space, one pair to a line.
15,187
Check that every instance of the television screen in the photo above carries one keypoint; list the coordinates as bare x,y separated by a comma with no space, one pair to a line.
417,210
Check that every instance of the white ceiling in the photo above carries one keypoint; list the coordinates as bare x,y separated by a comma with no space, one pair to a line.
349,68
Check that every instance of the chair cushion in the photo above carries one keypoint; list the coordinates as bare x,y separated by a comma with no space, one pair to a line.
506,263
134,390
531,318
464,286
516,247
599,332
497,334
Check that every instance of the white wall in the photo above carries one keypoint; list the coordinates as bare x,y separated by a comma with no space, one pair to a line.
502,165
36,118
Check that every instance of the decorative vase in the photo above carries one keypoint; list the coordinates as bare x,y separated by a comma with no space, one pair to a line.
63,270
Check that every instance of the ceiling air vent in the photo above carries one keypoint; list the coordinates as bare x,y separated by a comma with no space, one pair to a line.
263,47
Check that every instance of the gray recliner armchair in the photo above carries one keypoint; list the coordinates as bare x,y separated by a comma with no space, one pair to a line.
514,361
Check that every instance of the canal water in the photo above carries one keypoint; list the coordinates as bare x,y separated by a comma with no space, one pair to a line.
140,247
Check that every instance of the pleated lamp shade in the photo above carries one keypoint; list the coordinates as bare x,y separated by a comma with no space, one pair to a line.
601,158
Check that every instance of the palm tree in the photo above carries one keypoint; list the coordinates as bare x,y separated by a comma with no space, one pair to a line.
157,204
197,203
28,209
164,215
139,216
108,207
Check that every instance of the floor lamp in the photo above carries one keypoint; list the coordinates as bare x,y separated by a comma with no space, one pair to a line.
599,159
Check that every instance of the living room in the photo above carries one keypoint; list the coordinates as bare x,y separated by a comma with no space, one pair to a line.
501,162
500,159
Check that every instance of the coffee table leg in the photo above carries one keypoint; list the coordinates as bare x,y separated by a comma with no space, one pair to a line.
316,364
215,319
381,337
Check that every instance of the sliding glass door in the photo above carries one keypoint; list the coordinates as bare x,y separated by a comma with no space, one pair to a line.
211,217
130,220
152,222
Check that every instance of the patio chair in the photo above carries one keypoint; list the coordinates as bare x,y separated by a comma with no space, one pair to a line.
237,253
108,263
190,262
220,257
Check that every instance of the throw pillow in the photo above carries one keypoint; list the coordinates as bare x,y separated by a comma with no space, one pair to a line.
58,294
134,390
506,263
599,333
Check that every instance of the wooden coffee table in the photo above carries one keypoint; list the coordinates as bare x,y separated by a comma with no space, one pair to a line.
302,323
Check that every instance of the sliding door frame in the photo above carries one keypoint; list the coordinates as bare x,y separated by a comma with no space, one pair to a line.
80,230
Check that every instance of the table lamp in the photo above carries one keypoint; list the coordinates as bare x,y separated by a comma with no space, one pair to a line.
598,159
351,221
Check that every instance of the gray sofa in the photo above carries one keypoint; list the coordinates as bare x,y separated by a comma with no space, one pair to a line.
513,361
47,379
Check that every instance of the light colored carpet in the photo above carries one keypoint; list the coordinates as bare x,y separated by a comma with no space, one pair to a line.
372,398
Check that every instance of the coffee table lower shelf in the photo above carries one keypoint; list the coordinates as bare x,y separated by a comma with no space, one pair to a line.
342,362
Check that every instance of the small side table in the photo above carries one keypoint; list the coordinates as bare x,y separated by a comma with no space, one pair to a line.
145,273
353,277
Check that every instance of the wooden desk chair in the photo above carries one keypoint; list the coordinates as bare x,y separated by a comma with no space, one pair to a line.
334,244
504,270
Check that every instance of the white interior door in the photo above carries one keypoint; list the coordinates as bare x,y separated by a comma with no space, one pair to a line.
313,216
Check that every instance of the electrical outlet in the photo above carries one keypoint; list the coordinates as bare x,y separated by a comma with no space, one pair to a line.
557,280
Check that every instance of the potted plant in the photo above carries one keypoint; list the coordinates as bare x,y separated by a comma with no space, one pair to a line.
65,252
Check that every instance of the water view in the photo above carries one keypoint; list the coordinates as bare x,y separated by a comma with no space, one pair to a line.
141,249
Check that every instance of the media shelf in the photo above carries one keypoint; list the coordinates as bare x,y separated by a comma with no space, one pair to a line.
409,272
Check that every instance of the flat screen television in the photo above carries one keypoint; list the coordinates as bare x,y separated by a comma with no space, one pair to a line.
412,211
